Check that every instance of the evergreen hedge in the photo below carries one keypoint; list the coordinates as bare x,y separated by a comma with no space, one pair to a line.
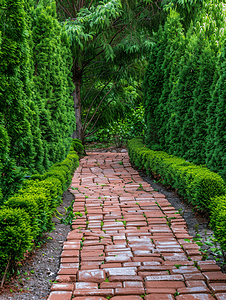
28,214
184,89
206,190
37,111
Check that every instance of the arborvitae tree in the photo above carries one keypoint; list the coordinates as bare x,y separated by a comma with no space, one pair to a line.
4,139
212,116
173,52
180,96
153,83
208,28
217,160
14,74
52,64
191,73
202,98
149,91
32,108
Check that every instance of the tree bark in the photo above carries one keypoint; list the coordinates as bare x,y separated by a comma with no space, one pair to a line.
78,133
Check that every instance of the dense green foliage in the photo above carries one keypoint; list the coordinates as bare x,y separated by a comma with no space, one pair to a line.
28,214
206,190
52,79
218,218
109,41
132,125
37,117
184,88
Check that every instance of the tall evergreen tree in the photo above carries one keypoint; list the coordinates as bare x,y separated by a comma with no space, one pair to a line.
152,85
212,116
52,67
208,29
202,98
190,75
170,67
14,74
217,156
180,96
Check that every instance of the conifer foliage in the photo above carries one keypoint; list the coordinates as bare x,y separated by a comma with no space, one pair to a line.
185,115
52,64
37,113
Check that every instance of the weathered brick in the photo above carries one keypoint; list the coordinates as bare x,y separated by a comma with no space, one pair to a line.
60,295
93,292
97,276
195,297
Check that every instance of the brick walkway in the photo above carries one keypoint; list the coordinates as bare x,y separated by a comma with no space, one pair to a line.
123,248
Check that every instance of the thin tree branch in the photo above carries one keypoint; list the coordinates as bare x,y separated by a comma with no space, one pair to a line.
90,4
98,107
88,134
4,276
67,12
92,86
114,36
95,100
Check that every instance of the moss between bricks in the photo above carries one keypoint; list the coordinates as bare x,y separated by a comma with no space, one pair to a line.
206,190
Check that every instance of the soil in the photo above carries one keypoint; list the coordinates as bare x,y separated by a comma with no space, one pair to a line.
40,269
44,261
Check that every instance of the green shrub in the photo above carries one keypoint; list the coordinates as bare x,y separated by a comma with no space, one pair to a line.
11,178
120,131
36,176
77,140
28,214
218,219
196,183
45,204
58,173
26,202
77,146
15,235
204,189
74,160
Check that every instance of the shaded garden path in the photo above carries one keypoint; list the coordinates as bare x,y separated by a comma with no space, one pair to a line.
122,246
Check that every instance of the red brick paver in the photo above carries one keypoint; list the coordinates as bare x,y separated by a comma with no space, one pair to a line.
122,246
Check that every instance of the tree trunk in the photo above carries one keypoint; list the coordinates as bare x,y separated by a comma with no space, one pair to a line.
78,133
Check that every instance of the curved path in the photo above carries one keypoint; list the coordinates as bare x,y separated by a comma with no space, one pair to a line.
129,243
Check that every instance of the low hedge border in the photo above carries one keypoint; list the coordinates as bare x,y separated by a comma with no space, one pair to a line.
206,190
28,214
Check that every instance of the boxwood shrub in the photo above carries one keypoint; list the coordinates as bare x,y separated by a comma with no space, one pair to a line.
15,234
77,144
206,190
28,214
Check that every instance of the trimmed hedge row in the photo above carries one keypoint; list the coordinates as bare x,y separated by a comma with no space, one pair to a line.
28,214
206,190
